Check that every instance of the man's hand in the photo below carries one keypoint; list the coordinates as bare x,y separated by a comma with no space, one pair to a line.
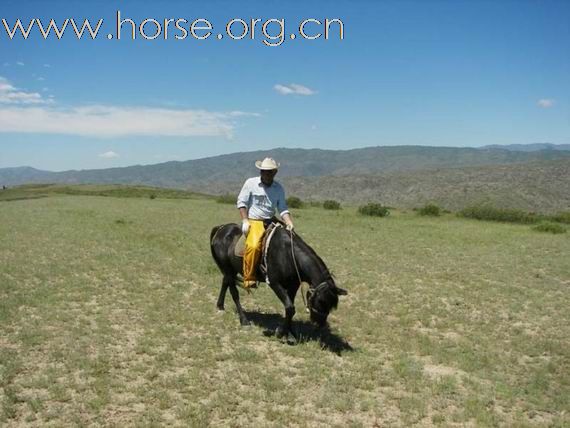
288,221
244,227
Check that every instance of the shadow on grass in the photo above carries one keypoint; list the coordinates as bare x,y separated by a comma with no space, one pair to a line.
306,331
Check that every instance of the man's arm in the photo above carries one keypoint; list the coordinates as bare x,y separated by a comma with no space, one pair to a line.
284,210
242,205
243,197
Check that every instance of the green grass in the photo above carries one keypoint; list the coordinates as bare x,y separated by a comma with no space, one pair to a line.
227,199
295,202
331,204
549,227
107,317
561,217
491,213
374,210
35,191
430,210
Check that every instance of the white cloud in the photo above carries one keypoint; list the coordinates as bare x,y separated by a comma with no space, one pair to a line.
20,63
109,155
108,121
9,94
47,66
41,79
29,112
293,89
243,113
545,103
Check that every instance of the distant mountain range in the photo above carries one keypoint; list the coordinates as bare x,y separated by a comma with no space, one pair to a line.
529,147
535,177
295,163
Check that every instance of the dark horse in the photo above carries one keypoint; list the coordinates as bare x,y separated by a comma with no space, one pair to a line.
289,259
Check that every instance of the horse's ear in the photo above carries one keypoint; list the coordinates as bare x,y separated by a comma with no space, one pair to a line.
341,291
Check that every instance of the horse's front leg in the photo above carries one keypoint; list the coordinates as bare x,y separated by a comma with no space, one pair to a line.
285,330
292,292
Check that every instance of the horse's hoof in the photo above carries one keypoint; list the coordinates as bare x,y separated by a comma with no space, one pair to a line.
291,339
221,308
279,332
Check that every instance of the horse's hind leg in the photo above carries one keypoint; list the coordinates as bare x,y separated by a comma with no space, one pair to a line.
222,297
235,295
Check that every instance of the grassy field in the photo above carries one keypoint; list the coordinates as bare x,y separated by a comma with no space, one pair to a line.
107,317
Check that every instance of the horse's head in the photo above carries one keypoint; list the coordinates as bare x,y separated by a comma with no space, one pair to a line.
322,299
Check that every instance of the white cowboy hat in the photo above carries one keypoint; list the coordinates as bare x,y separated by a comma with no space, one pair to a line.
267,164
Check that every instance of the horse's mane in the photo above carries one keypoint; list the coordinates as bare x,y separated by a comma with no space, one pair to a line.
306,247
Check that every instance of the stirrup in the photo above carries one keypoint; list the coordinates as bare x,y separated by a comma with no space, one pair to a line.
240,282
251,285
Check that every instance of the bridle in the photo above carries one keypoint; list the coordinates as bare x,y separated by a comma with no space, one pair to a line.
325,285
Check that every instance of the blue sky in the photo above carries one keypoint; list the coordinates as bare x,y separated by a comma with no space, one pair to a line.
440,73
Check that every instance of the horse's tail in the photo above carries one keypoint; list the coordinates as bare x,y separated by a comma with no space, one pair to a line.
213,234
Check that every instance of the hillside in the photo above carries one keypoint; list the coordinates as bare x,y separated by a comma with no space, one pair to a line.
529,147
537,186
403,176
295,163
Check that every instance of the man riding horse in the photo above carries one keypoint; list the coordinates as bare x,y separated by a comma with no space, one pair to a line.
288,259
257,202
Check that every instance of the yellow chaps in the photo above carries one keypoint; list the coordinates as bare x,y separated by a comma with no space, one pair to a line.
252,249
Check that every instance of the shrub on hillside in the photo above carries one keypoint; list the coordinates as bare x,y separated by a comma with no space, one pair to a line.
562,217
373,209
152,196
430,210
549,227
226,199
490,213
331,205
294,202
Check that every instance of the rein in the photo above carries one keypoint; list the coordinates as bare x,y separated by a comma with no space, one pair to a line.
297,270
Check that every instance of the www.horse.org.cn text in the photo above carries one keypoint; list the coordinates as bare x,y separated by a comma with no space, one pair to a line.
271,32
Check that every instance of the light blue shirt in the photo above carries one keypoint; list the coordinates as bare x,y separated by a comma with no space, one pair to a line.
260,200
